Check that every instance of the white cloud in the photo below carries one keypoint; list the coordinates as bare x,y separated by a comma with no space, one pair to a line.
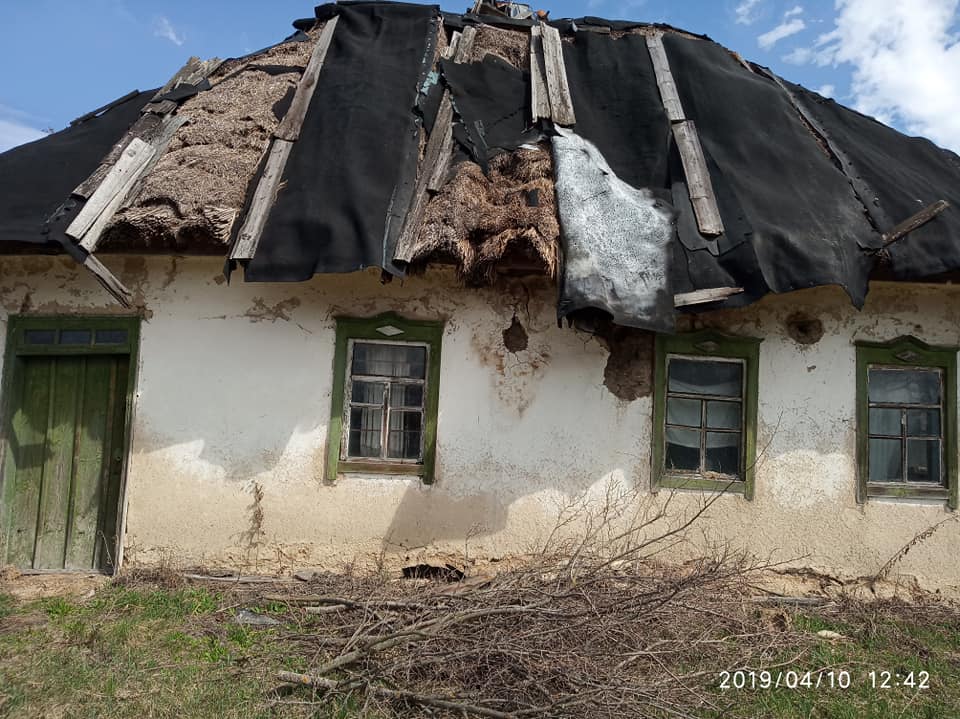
13,133
781,31
795,10
905,59
162,27
746,12
827,90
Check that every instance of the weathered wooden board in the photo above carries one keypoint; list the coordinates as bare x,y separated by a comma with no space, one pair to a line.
54,512
289,127
661,68
698,179
27,442
263,197
119,179
699,297
917,220
539,99
106,278
561,104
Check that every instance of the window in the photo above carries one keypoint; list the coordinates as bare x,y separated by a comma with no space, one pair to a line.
906,420
385,395
705,412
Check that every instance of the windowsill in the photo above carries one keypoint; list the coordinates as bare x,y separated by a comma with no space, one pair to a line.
363,467
908,491
697,482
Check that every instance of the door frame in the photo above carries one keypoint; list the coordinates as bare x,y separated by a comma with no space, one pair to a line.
17,347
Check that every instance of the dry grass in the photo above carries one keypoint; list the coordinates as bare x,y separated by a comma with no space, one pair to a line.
477,221
197,189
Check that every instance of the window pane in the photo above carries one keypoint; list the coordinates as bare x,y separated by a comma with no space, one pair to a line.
404,436
406,395
923,460
389,360
75,337
367,392
923,422
885,421
683,449
110,337
886,460
723,415
683,411
365,426
904,386
723,452
40,337
705,377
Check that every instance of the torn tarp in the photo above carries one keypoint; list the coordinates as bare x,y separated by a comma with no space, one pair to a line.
347,184
907,174
774,184
617,240
36,178
492,100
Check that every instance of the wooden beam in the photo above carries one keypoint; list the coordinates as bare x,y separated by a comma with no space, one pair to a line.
702,197
119,179
451,49
289,127
436,157
109,281
539,99
912,223
699,297
661,68
561,105
263,198
698,179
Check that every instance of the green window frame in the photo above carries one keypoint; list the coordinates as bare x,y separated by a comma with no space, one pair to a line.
386,329
706,345
907,353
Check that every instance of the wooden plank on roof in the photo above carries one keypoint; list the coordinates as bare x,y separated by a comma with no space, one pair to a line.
702,196
539,99
106,278
661,68
263,198
451,49
120,178
917,220
164,133
698,179
699,297
561,105
289,127
433,166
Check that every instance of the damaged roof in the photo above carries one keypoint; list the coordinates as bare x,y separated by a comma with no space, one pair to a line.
645,168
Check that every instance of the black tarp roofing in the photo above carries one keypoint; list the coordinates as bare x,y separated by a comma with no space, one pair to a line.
349,178
36,178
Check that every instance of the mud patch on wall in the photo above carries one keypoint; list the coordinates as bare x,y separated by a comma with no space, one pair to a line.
515,336
261,312
629,370
804,329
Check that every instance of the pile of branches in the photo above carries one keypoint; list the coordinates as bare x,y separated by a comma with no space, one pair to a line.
595,627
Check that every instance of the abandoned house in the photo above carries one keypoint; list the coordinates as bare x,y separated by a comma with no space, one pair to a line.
409,284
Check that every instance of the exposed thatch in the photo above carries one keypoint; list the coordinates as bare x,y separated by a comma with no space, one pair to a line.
513,46
477,221
197,189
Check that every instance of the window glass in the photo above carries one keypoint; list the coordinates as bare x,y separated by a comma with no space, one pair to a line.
904,425
692,376
40,337
75,337
386,417
704,415
110,337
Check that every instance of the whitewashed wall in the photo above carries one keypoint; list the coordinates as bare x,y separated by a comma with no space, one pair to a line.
234,392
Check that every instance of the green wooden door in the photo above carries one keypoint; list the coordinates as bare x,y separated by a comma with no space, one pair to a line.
64,459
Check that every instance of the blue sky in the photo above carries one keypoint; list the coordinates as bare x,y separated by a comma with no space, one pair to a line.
896,60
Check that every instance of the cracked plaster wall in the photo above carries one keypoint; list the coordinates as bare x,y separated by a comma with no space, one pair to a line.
234,392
